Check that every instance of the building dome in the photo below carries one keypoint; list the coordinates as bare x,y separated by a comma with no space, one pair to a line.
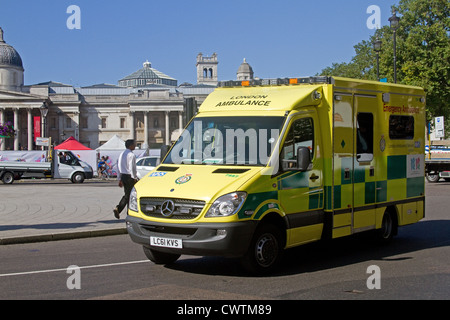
147,76
8,55
245,67
245,71
11,67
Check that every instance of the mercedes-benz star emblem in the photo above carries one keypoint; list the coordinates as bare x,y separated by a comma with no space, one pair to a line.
167,208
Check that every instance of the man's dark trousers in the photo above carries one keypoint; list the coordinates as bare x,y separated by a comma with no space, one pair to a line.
128,184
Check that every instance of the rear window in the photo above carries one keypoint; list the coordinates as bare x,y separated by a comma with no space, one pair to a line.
401,127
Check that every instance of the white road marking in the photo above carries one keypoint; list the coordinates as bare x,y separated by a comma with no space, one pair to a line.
65,269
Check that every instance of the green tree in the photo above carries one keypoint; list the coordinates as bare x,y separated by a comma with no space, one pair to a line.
423,53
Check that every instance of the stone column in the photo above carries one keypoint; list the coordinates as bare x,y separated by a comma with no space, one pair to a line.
17,128
146,113
167,138
76,119
60,126
180,121
30,129
132,130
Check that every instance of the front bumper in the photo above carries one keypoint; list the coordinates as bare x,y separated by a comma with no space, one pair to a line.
200,239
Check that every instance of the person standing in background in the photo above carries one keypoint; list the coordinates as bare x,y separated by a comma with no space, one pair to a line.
127,175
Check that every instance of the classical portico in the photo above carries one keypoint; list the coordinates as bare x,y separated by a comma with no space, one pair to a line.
157,114
20,109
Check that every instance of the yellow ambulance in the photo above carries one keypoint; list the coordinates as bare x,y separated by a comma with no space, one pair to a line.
272,164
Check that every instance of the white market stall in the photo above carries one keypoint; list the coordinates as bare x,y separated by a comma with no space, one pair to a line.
112,149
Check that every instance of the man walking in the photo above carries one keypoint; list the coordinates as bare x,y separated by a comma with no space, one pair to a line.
127,175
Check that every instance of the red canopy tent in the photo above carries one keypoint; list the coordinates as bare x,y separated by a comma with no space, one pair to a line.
71,144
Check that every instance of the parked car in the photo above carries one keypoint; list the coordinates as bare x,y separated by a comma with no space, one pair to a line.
146,164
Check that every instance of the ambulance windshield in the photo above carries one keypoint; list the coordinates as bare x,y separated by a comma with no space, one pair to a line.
245,141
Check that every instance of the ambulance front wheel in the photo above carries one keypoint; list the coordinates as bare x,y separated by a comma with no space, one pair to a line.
265,251
158,257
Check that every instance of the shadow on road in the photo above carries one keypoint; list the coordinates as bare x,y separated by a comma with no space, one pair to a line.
58,226
332,254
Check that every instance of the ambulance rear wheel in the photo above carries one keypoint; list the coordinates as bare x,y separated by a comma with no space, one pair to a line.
265,251
388,228
158,257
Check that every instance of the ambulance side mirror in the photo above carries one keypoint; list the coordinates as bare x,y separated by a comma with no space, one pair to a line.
301,163
303,158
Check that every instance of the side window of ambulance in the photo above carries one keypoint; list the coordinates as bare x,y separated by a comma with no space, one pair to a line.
401,127
364,137
301,134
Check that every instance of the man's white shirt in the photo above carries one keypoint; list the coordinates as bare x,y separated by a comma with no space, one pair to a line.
127,164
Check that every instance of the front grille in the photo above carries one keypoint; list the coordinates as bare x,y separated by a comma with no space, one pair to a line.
167,230
184,209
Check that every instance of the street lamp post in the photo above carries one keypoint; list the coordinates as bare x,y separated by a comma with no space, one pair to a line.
394,21
44,111
377,49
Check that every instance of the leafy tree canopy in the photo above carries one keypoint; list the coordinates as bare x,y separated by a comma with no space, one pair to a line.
423,53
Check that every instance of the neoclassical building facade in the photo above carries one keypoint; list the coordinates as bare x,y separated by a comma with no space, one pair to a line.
147,105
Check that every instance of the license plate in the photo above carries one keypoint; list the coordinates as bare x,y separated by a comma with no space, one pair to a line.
166,242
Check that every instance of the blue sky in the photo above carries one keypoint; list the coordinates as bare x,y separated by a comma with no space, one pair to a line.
279,38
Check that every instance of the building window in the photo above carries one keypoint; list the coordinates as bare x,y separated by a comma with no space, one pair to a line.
68,122
84,122
103,123
122,123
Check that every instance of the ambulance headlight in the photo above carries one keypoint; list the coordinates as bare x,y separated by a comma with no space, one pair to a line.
133,203
227,205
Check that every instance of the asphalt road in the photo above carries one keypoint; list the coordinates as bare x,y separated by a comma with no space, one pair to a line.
415,266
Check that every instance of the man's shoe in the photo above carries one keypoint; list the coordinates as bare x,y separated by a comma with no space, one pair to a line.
116,213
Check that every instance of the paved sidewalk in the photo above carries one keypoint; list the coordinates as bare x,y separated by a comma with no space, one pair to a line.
45,210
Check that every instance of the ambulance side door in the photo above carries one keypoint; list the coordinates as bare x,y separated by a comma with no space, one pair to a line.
301,192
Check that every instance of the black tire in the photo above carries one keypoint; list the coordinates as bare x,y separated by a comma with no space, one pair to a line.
78,177
265,251
8,178
433,177
388,228
158,257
